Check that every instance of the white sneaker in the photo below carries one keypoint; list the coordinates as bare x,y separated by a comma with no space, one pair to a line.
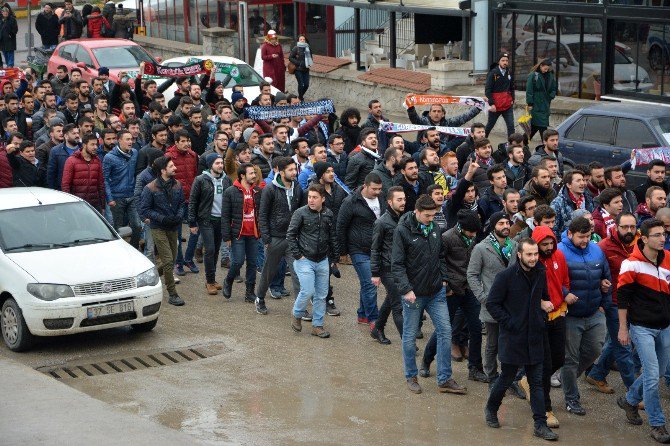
556,379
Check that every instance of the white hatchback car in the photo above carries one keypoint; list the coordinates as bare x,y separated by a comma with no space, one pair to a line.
248,78
64,270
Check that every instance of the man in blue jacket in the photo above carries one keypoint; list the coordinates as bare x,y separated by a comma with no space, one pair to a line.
59,154
589,295
118,169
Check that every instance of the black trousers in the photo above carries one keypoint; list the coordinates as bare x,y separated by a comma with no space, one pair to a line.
554,355
507,375
392,304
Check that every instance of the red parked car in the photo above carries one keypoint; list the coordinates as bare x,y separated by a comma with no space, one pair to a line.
90,54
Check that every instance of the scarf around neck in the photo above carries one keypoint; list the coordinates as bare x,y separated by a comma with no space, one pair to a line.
308,54
505,251
467,240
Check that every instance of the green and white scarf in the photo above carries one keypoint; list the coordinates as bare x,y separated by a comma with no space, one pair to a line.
504,251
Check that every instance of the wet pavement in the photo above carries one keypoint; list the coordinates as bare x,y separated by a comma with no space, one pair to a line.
261,383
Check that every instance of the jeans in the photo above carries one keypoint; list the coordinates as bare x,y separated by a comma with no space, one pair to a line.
584,337
392,304
470,307
491,349
125,210
211,241
278,280
187,257
260,260
243,248
614,351
554,355
313,277
166,244
302,77
507,375
108,215
276,250
367,307
9,58
508,116
437,309
653,346
149,246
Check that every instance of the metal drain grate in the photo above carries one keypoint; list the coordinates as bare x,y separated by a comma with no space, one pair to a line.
130,363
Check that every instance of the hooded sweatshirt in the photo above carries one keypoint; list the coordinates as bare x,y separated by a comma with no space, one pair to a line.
616,252
558,279
218,193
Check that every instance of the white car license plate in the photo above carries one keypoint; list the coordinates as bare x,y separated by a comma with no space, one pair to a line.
109,310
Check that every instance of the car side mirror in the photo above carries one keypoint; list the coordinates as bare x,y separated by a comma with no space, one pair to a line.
159,59
82,65
268,79
125,231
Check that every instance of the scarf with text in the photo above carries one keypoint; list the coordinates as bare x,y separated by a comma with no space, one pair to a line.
396,127
202,67
261,113
643,157
412,100
221,68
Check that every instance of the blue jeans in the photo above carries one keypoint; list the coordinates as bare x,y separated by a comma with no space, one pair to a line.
653,346
584,337
260,260
302,77
368,295
437,309
149,246
243,248
190,246
614,351
313,277
9,58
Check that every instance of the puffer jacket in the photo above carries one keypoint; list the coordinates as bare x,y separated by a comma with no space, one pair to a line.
457,255
94,23
118,170
355,223
202,198
232,211
84,179
485,264
161,203
382,243
360,165
145,177
564,206
311,234
5,170
417,260
275,212
57,158
187,167
587,268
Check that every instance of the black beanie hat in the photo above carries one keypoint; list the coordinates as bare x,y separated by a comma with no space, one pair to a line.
469,220
496,217
320,168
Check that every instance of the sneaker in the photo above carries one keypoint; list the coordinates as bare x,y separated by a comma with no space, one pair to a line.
378,335
632,413
260,307
478,375
227,288
660,434
284,292
363,321
575,407
211,289
556,379
296,324
413,385
451,386
516,390
192,267
179,270
239,279
177,280
491,418
307,317
525,387
218,286
545,433
332,310
552,421
424,371
319,332
600,385
275,294
176,300
198,255
225,263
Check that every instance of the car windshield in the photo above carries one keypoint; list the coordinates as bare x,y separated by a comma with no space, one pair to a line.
662,126
593,53
121,56
52,226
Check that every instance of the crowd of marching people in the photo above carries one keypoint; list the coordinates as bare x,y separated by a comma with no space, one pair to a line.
562,267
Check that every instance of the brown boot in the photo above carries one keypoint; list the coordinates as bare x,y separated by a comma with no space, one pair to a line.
456,354
413,385
320,332
465,352
211,289
198,255
218,285
296,324
451,386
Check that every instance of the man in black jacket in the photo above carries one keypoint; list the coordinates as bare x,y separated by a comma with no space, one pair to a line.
239,222
47,27
205,212
153,150
499,90
655,177
312,241
519,302
362,162
380,263
411,182
354,226
420,273
279,200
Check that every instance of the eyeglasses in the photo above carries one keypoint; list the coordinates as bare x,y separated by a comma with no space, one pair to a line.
657,235
337,144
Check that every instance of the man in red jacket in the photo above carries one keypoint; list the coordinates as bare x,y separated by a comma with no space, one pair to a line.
82,174
5,170
186,162
617,248
558,286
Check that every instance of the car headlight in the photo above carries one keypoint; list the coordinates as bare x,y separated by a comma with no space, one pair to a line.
49,291
147,278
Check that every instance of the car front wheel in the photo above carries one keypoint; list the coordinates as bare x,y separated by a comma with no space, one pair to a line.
145,326
15,332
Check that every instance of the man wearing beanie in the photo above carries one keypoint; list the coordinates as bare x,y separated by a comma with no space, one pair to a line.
458,245
238,102
500,93
317,153
204,214
324,174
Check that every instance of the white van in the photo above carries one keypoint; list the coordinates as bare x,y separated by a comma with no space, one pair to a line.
64,270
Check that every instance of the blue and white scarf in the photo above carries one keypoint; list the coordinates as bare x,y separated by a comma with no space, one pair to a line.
258,112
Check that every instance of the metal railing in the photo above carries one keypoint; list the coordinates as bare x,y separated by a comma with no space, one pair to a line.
372,23
404,26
